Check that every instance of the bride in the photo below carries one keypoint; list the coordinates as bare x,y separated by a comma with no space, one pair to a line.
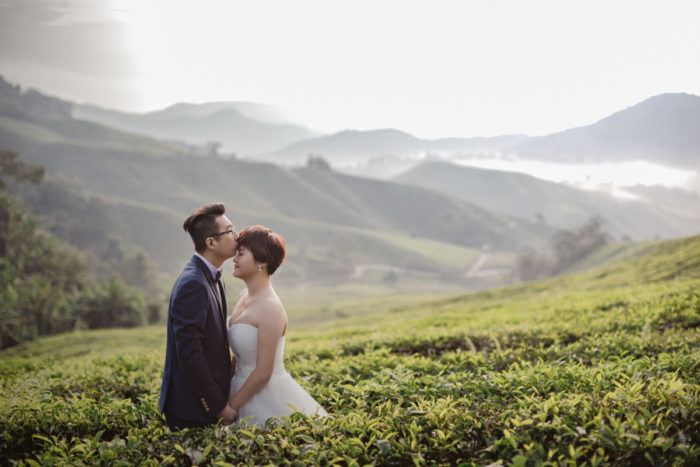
262,388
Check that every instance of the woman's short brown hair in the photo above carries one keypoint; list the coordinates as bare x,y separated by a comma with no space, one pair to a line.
265,245
201,224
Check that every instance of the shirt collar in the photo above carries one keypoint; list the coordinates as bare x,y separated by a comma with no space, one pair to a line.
214,272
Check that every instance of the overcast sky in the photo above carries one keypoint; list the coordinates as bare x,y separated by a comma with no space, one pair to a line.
433,68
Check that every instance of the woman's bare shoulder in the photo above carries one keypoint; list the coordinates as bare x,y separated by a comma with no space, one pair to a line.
271,308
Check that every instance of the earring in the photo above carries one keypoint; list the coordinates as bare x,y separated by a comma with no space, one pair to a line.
259,267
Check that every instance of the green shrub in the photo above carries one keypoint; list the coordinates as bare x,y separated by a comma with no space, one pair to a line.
38,276
110,305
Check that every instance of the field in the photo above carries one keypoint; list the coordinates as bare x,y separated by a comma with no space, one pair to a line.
597,368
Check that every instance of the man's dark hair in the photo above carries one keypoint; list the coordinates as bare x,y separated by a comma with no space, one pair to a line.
202,224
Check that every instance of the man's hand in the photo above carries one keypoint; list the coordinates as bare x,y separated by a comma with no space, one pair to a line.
228,415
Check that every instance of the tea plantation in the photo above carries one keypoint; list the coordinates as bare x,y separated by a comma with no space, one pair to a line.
598,368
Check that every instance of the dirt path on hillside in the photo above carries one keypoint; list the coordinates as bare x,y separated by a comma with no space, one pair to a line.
474,271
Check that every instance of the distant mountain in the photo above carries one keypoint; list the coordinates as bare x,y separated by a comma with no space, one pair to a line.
664,129
259,112
659,212
244,128
352,147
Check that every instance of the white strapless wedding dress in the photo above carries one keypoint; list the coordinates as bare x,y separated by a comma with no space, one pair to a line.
281,395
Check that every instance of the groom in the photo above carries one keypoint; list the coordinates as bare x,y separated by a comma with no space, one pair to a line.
197,371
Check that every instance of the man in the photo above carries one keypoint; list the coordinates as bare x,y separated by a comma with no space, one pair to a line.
197,373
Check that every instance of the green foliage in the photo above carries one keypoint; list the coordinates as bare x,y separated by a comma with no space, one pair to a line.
22,171
39,277
110,305
46,288
600,368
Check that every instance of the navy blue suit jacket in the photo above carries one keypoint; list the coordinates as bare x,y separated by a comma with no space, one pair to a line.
197,371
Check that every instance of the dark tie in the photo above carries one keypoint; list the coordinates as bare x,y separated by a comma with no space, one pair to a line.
222,297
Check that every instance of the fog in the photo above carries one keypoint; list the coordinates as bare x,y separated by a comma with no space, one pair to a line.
606,176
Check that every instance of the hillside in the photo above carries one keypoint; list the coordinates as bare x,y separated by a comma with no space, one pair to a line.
596,368
39,120
331,221
663,129
242,128
659,212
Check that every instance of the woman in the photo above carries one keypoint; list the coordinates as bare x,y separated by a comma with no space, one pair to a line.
261,387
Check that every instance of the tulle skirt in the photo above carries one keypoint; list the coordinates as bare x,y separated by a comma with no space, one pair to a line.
279,397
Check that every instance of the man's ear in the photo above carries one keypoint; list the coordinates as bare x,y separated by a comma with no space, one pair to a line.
210,242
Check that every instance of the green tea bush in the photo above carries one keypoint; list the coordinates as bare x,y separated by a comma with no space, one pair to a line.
610,377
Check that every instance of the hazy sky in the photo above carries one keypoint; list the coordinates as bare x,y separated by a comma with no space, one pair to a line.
433,68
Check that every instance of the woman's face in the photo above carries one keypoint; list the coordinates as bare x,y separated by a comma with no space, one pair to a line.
244,264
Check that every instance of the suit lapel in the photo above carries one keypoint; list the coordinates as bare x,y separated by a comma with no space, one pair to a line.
218,295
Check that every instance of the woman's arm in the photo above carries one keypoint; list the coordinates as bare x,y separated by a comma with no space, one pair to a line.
270,328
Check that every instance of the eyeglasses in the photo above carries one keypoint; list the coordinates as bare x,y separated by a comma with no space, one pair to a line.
219,234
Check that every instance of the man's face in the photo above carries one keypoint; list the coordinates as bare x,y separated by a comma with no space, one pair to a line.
225,239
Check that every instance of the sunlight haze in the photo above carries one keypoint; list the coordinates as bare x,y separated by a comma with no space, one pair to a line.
434,69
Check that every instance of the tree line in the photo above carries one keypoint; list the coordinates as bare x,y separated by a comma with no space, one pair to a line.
46,285
567,246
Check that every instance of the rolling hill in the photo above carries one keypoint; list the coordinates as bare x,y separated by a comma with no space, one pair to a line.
658,212
332,221
336,220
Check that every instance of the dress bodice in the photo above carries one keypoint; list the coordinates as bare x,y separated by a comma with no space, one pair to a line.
243,340
280,396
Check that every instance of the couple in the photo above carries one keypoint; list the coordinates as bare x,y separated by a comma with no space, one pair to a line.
200,386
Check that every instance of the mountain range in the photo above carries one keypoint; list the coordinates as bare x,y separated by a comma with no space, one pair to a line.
662,130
